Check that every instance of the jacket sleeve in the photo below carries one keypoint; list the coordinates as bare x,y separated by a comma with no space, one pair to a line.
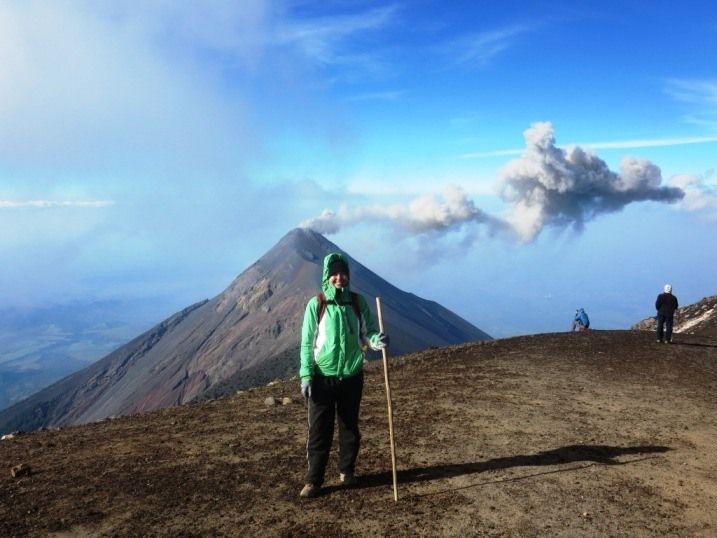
658,302
308,332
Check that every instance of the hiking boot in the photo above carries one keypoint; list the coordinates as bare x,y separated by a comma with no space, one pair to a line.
310,491
347,479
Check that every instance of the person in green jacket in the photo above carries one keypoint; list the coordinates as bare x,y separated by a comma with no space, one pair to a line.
337,330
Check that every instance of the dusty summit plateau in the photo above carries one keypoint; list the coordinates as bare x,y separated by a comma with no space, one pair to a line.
603,433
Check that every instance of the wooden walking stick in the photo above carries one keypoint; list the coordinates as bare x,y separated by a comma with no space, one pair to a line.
388,399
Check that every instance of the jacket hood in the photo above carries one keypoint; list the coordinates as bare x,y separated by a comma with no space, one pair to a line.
330,292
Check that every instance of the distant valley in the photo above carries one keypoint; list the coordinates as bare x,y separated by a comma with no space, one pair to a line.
38,346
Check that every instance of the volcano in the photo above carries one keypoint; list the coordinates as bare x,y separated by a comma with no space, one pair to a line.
244,337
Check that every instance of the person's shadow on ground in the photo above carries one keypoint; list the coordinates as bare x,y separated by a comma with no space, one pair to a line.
694,344
601,454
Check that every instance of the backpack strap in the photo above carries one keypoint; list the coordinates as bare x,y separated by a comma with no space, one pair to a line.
355,305
321,302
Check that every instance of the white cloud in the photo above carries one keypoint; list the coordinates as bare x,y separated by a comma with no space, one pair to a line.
700,95
700,92
324,40
162,88
482,48
494,153
239,30
700,196
651,143
615,144
98,90
158,107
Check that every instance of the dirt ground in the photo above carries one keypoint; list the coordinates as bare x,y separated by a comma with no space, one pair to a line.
604,433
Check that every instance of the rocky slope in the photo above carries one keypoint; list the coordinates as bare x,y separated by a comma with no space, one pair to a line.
699,318
602,433
245,336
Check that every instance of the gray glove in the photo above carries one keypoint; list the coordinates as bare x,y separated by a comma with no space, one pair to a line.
306,388
380,341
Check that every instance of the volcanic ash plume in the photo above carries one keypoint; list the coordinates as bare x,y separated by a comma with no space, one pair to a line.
423,214
548,185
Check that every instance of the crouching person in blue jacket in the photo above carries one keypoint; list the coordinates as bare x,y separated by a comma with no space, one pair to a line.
337,328
581,321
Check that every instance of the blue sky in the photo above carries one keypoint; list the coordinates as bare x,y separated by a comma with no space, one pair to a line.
512,161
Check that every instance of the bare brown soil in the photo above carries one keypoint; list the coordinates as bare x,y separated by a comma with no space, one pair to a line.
590,434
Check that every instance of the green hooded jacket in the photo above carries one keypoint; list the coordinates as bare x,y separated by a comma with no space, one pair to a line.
333,346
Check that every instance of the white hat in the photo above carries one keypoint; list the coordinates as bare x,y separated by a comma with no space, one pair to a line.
668,288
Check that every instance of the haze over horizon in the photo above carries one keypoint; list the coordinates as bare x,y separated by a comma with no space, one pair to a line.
512,162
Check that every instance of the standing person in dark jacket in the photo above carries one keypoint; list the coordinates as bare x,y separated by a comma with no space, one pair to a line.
337,329
666,304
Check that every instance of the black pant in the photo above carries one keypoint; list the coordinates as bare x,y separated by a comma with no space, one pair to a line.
665,320
331,396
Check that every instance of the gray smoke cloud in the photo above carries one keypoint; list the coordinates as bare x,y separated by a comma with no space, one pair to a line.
423,214
548,185
545,186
